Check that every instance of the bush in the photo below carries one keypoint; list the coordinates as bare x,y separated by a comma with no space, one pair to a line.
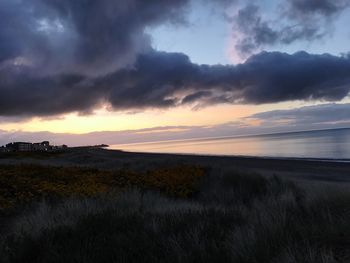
22,184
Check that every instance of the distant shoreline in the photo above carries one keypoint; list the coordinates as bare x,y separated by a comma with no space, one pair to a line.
228,137
308,159
321,145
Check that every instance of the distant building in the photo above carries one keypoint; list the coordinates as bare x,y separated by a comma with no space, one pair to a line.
3,149
46,143
32,147
62,147
42,146
20,146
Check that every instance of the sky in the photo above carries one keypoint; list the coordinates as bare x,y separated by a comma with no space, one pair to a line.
122,71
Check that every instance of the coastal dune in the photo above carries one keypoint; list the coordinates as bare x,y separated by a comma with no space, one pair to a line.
94,205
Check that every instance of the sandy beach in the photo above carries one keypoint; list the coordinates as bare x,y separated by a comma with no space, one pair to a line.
301,169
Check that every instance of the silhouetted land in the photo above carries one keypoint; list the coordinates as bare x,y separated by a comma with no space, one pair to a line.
95,205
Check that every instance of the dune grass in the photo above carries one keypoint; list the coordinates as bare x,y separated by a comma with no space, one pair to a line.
228,217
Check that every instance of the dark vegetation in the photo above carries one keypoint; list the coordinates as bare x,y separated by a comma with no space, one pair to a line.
32,155
179,213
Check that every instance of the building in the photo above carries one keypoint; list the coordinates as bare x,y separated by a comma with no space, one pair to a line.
42,146
32,147
3,149
20,146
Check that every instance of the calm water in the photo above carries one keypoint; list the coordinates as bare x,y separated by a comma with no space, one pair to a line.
326,144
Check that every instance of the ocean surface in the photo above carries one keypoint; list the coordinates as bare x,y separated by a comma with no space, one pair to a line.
324,144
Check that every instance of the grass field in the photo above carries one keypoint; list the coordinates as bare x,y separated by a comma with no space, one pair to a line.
179,213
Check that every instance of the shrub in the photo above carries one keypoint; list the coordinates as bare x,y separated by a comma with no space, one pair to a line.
21,184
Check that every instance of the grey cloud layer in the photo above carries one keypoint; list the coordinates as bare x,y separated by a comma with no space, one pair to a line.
306,118
60,56
319,114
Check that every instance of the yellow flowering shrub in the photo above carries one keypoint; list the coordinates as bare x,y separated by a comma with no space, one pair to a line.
178,181
24,183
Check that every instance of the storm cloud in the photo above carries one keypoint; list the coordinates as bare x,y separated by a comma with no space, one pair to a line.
61,56
80,36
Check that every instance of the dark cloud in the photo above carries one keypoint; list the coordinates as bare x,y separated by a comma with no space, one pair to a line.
275,77
80,36
169,79
83,36
161,80
323,7
194,97
254,31
299,20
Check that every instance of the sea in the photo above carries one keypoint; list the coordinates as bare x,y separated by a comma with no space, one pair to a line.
322,144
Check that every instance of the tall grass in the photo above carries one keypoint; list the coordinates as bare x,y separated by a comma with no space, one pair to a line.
232,217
